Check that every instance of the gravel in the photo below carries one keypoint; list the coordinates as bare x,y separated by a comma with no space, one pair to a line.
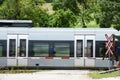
53,75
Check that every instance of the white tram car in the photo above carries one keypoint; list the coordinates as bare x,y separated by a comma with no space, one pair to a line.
54,47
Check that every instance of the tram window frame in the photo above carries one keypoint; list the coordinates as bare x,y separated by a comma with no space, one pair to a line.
79,49
3,52
23,47
38,45
12,50
89,52
51,48
100,49
61,45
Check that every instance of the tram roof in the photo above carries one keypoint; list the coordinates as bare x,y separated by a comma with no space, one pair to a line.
15,21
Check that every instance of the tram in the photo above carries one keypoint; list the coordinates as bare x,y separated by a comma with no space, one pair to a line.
54,47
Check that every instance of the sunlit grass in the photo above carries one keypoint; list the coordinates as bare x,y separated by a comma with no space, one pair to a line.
97,75
12,71
16,71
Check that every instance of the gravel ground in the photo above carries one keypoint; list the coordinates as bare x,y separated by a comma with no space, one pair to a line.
53,75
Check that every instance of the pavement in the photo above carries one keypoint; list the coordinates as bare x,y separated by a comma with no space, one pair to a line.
53,75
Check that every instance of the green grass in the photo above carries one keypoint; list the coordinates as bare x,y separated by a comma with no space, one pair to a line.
12,71
17,71
97,75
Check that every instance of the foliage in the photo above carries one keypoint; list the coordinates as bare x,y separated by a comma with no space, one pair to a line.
81,8
72,5
58,4
85,16
35,13
24,9
65,13
10,9
104,12
109,14
1,2
62,18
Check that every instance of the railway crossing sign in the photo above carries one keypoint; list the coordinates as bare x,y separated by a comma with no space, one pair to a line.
109,44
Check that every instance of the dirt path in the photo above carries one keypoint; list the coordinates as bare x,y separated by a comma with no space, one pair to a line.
52,75
49,75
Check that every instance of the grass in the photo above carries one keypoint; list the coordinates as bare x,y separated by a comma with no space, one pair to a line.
13,71
17,71
97,75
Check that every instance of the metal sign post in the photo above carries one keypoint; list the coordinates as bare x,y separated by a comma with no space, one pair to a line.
109,46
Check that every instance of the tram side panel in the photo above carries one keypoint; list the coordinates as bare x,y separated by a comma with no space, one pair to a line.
54,50
45,51
101,59
3,50
51,50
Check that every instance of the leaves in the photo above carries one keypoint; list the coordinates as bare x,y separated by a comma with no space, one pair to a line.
1,2
65,13
24,9
62,18
109,14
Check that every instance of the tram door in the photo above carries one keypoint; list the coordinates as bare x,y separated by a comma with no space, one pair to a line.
17,50
84,50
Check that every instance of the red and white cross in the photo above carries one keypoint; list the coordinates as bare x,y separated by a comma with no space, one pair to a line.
109,44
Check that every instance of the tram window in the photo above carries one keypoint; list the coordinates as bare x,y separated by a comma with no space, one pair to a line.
61,49
12,47
100,48
3,48
3,51
40,49
89,52
22,47
79,48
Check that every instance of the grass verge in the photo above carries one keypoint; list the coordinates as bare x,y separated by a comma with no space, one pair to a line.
97,75
16,71
19,71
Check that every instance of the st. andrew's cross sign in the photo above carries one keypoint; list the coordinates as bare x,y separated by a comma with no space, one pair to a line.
109,44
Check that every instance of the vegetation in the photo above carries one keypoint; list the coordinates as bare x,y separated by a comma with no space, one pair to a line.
108,14
63,13
62,18
14,71
96,74
17,71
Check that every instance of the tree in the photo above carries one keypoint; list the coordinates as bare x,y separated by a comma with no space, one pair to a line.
87,8
65,5
109,14
31,10
116,17
25,9
62,18
58,4
10,9
81,8
1,2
